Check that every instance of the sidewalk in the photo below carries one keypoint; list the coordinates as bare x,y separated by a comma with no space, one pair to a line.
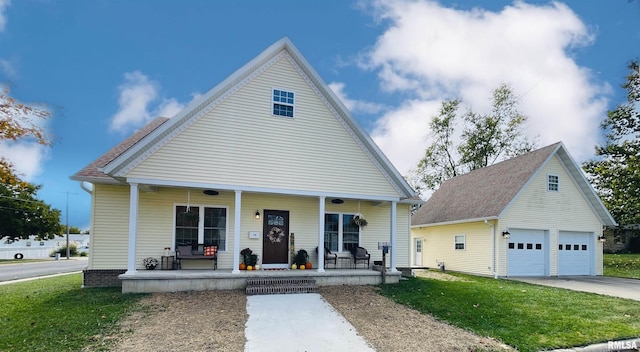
298,322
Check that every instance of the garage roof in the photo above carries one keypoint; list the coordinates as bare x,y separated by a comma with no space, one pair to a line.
486,193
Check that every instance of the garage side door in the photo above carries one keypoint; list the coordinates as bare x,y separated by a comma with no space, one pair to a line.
526,253
575,253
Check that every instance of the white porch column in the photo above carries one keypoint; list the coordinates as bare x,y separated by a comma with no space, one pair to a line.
393,236
133,228
321,201
236,233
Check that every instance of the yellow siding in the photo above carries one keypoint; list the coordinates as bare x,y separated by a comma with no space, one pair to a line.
156,224
538,209
438,246
109,234
240,142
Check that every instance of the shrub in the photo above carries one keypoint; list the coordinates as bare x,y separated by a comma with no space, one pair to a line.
84,254
73,251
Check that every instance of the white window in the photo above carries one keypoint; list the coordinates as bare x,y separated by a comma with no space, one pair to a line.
553,183
201,225
458,242
340,233
283,102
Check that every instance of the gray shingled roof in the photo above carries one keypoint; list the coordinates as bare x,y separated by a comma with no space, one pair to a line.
482,193
92,173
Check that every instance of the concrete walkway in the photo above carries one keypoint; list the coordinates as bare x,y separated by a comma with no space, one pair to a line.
604,285
298,322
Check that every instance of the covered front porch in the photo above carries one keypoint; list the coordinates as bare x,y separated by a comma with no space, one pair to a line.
199,279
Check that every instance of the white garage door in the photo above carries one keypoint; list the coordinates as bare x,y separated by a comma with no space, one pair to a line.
574,253
526,253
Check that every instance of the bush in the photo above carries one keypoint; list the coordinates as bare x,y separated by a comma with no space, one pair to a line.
84,254
73,251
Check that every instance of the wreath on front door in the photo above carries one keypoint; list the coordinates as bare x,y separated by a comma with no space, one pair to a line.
275,235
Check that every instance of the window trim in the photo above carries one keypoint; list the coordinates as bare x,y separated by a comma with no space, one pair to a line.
556,183
201,222
456,243
293,105
341,229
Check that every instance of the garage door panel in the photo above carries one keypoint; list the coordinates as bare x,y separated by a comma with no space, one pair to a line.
575,253
526,251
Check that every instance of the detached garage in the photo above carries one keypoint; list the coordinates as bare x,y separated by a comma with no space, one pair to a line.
533,215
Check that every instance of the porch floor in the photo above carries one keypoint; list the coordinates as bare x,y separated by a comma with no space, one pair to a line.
205,279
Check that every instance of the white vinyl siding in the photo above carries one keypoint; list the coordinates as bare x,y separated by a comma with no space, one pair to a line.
110,228
565,210
240,142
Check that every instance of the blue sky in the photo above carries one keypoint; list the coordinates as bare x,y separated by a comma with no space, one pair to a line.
104,68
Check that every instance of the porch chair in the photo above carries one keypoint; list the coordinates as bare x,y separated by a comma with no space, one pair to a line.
329,257
360,254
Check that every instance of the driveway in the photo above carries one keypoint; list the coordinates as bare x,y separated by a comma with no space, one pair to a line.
604,285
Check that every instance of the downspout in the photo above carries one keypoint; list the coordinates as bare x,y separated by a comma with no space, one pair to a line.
493,249
84,188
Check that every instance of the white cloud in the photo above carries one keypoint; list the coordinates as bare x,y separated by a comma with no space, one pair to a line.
354,105
137,103
430,52
28,158
3,17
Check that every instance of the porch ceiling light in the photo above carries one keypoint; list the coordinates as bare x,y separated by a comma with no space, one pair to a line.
337,201
506,234
257,215
210,192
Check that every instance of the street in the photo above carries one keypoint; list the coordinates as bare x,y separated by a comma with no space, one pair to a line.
19,270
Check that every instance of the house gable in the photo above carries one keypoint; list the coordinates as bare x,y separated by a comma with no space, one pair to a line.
231,138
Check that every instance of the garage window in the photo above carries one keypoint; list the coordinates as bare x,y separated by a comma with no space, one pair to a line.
458,241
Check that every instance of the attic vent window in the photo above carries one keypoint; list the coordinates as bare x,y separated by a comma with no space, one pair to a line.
553,183
283,103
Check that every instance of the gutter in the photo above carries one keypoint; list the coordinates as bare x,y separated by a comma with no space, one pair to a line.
493,249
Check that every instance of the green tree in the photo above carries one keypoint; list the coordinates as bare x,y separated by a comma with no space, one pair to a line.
484,140
21,213
615,172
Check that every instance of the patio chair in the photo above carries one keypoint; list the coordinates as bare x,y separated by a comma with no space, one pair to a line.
329,257
360,254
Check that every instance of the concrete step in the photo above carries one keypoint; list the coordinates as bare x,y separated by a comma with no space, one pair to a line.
268,285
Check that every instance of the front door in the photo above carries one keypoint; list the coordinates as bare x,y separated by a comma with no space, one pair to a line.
275,238
417,260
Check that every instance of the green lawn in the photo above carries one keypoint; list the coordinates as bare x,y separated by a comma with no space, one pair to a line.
622,265
525,316
55,314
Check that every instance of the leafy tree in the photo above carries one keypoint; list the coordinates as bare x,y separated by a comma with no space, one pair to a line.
21,213
615,172
484,140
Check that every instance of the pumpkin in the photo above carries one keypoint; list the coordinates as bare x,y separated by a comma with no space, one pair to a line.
256,267
307,265
301,267
242,266
249,267
294,267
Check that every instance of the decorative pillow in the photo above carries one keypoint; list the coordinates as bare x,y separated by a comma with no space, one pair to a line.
210,251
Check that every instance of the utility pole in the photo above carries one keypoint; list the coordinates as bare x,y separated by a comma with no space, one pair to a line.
67,221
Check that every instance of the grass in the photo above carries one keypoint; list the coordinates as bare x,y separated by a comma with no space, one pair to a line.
55,314
525,316
622,265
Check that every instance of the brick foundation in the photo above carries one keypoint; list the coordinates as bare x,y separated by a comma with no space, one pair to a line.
102,278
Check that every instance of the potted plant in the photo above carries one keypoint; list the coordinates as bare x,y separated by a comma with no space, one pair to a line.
359,220
250,259
150,263
301,258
